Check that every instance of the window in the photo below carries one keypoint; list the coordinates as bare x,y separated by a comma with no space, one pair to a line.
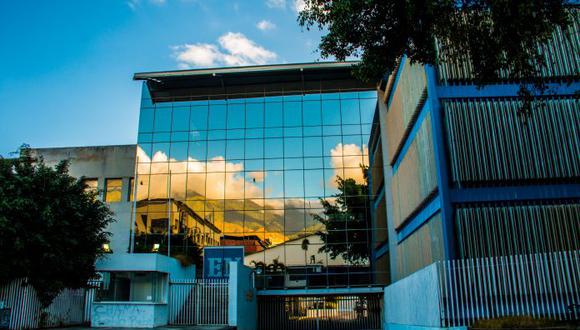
132,286
131,189
113,190
91,185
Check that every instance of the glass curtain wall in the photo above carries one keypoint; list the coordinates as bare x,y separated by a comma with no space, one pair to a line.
263,173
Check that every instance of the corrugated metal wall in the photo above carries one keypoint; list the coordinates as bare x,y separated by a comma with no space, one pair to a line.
561,55
422,248
408,96
416,176
489,141
526,227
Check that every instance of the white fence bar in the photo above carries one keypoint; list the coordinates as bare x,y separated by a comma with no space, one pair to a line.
537,285
198,301
26,311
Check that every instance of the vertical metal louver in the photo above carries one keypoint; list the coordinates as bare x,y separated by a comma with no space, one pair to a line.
500,230
561,55
490,144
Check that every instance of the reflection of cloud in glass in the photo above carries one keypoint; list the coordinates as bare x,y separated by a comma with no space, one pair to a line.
349,157
218,182
215,180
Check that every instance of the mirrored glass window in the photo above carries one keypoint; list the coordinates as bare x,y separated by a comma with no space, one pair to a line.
283,176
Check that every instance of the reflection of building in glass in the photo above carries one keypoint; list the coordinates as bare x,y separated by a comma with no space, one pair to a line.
251,243
155,217
254,151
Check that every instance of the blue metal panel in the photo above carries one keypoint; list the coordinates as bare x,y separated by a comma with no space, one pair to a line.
441,162
381,251
500,90
380,196
419,219
533,192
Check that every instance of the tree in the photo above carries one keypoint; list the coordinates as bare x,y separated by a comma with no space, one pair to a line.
52,229
494,34
347,222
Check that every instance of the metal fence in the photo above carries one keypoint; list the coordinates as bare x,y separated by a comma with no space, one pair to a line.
26,312
538,285
198,301
319,312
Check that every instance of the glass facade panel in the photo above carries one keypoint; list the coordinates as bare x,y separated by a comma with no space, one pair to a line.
279,175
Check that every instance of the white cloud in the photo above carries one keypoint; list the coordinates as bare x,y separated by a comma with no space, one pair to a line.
243,51
234,49
197,55
346,160
133,4
265,25
299,5
276,4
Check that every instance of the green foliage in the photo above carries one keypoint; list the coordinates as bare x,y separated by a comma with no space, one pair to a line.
495,34
347,222
51,230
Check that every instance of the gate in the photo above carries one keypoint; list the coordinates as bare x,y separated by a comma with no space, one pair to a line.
362,311
198,301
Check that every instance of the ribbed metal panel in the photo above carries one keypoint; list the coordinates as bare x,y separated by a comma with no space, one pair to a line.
489,143
422,248
489,231
416,177
561,54
541,285
409,95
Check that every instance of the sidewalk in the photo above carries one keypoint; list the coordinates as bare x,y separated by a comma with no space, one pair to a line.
187,327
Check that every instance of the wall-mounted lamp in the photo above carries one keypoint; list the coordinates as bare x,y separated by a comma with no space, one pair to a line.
155,247
106,248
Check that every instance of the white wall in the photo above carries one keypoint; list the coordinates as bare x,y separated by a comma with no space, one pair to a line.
413,302
101,162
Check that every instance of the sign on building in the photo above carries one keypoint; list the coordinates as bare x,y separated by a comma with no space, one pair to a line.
216,260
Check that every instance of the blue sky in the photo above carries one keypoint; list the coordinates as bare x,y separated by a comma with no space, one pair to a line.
66,66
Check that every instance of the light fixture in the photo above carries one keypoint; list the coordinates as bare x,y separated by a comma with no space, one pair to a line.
155,247
106,248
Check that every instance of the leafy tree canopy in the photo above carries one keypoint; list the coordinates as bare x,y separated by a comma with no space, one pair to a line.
51,229
495,34
347,222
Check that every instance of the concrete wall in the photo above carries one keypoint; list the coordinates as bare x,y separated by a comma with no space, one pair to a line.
152,262
413,302
242,304
128,315
101,162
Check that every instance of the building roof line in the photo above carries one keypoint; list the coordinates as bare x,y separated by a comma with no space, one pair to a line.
242,69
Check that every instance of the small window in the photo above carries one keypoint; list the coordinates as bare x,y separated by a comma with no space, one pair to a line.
91,185
113,190
132,286
131,189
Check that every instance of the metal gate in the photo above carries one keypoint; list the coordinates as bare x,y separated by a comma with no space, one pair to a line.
328,312
198,301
